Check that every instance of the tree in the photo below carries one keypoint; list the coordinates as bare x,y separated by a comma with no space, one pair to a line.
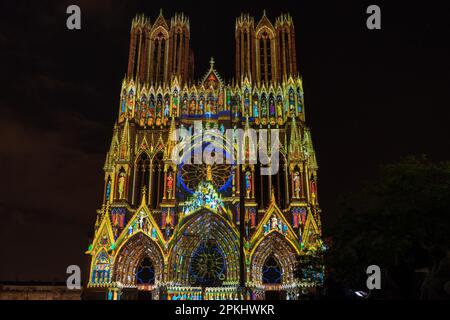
400,222
310,267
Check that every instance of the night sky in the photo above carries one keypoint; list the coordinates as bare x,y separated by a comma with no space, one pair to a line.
371,98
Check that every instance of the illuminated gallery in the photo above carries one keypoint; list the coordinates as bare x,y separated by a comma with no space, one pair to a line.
181,230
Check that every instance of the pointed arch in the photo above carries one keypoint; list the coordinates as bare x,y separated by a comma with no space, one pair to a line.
159,44
279,182
142,175
273,245
265,52
130,255
157,180
203,227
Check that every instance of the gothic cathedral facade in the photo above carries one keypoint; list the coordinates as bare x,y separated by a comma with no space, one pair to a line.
173,228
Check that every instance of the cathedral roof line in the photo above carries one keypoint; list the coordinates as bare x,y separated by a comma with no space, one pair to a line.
235,85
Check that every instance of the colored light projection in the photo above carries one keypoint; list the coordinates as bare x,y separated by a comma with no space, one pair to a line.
172,230
205,197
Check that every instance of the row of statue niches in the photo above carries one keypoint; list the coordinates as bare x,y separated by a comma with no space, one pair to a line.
254,107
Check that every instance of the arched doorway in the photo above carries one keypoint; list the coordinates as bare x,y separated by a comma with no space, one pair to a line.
273,263
139,263
205,252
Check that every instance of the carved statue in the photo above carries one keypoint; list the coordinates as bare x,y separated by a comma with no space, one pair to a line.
209,173
248,184
166,109
274,222
255,109
169,184
297,184
279,109
141,221
121,185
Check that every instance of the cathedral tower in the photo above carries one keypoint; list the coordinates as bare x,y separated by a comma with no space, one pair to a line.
159,51
265,52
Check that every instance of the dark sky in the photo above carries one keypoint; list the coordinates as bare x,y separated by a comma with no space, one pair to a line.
371,97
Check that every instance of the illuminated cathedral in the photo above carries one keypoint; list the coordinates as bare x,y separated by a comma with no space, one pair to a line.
182,230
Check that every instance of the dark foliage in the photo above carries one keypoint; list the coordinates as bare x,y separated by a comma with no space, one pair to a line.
400,222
